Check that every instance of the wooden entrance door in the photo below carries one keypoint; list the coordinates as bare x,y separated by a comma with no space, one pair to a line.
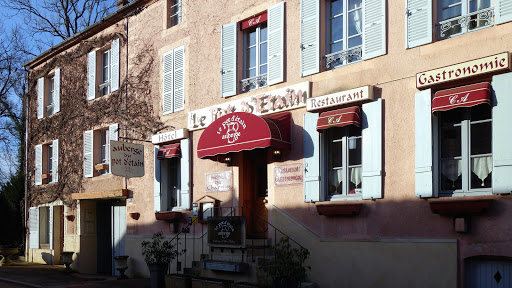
254,191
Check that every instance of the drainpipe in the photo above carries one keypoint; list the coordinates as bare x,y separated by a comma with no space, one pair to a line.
26,107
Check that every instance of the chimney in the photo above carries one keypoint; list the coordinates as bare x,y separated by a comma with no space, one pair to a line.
120,4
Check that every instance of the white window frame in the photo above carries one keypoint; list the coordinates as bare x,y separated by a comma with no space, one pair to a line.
345,143
174,4
44,227
465,14
96,152
51,95
169,193
260,79
103,149
49,161
105,72
345,55
465,126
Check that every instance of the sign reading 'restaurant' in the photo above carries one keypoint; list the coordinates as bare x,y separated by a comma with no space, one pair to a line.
340,98
288,174
274,101
489,64
127,159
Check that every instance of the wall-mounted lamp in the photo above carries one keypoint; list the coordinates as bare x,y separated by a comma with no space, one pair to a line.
70,218
276,154
227,161
135,215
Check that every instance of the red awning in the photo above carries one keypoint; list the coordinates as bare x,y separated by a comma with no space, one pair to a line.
339,118
169,151
464,96
244,131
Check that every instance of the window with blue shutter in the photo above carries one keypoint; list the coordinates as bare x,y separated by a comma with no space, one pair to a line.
104,78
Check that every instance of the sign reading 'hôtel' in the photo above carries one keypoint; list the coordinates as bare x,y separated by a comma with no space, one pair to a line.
274,101
489,64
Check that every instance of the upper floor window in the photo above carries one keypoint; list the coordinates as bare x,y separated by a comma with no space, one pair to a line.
344,32
457,17
255,57
261,52
173,78
46,163
103,75
451,18
48,94
97,150
351,32
173,13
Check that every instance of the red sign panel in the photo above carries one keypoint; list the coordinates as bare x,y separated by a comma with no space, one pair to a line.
169,151
254,21
464,96
339,118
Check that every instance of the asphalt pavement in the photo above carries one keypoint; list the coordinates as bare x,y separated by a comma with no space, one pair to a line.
23,274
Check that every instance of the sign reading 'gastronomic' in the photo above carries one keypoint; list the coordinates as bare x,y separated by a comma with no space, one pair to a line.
340,98
278,100
489,64
288,174
226,231
221,181
126,159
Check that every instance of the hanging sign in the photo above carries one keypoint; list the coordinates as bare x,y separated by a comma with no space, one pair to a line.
126,159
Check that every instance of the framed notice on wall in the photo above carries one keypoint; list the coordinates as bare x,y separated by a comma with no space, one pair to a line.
221,181
288,174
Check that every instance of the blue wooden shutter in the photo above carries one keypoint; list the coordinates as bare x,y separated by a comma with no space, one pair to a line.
40,98
374,22
91,75
118,233
418,22
311,139
168,83
114,65
156,181
372,150
179,79
228,59
275,43
501,131
56,93
88,154
185,174
423,144
38,165
309,36
55,160
33,218
503,11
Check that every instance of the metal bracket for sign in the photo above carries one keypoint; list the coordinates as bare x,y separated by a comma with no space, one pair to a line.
134,139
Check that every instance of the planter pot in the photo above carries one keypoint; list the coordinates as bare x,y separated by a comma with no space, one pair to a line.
7,252
157,273
121,266
66,258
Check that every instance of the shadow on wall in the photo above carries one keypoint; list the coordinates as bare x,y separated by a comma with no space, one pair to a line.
47,257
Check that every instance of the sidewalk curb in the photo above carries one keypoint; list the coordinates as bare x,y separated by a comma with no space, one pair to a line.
20,283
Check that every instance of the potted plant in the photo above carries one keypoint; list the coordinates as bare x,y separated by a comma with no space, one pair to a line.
287,268
158,253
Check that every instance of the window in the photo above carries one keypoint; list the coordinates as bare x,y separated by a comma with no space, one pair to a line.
173,78
260,60
457,17
344,32
255,58
452,18
46,163
173,13
464,151
44,227
343,161
103,75
465,136
97,150
353,30
172,177
48,94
